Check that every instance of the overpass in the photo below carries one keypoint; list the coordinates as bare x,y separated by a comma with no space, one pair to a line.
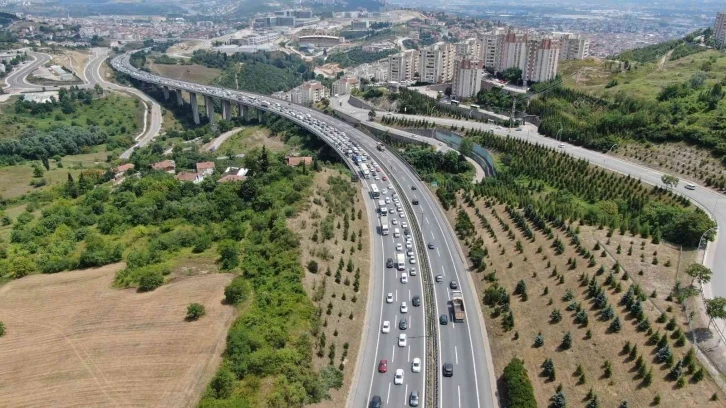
463,344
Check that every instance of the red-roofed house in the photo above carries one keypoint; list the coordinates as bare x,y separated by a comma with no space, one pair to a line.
167,165
124,167
186,176
205,168
229,178
296,160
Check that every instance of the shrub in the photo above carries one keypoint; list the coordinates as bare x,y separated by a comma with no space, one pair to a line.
2,329
237,291
520,393
222,384
150,281
313,266
195,311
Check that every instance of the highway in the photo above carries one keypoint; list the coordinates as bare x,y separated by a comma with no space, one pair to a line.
16,80
462,344
708,199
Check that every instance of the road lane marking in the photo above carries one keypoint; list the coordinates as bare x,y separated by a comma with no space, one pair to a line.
409,354
456,355
427,220
396,295
388,396
437,251
393,354
405,394
458,390
432,235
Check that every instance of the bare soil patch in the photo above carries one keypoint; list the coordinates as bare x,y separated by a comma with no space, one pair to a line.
546,292
74,341
322,287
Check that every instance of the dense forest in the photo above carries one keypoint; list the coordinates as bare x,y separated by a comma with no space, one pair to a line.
558,188
450,168
356,56
261,72
691,111
496,99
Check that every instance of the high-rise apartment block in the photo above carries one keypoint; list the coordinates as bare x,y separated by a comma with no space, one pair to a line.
537,57
434,64
543,56
467,78
573,46
402,66
719,29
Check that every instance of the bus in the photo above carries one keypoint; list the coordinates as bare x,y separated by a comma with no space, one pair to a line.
455,102
364,170
374,191
477,107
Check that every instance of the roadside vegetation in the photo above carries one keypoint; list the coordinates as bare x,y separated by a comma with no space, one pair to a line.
356,56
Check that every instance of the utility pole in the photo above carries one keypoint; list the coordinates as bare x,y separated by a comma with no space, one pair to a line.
511,116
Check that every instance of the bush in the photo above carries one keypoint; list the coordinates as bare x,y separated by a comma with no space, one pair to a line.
237,291
195,311
2,329
222,384
520,393
150,281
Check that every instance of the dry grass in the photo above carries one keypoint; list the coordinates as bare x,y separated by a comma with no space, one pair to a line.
193,73
339,294
532,316
252,137
680,159
74,341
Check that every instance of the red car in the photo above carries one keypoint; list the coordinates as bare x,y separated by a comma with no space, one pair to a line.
378,169
384,178
383,366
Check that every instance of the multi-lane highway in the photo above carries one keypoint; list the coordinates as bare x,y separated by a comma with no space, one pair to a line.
461,344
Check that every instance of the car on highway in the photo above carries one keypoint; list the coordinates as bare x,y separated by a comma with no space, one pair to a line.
454,284
386,327
416,365
439,278
412,261
399,247
389,298
388,200
561,145
404,307
398,377
406,231
448,370
394,222
413,399
402,340
403,324
416,301
690,186
375,402
404,224
431,245
404,278
389,263
383,366
410,253
384,178
384,191
444,320
413,188
409,244
412,271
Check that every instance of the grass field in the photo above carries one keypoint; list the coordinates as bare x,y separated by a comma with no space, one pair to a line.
537,265
339,327
592,75
193,73
251,137
109,347
115,113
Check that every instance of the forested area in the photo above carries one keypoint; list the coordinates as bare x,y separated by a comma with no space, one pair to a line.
692,111
495,99
261,72
450,168
356,56
557,188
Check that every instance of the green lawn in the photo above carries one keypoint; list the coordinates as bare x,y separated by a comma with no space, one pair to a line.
116,114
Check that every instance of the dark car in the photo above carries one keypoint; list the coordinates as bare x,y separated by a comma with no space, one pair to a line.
383,366
444,320
389,263
406,231
403,324
431,245
376,400
413,399
454,285
413,188
416,301
448,370
415,201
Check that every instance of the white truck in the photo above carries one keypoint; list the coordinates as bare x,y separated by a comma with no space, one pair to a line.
382,207
384,225
400,262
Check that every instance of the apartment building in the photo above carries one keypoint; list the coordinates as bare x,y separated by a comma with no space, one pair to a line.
573,46
309,92
491,49
344,85
448,60
430,65
513,52
543,56
467,78
719,28
402,66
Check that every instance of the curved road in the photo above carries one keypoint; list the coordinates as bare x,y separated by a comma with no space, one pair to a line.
462,344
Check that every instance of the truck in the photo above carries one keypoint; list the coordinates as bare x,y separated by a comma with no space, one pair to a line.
382,207
384,225
400,262
457,302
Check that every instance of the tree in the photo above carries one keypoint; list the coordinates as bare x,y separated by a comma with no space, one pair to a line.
98,89
467,147
615,326
566,341
371,114
519,390
195,311
715,309
228,254
237,291
670,181
699,273
223,383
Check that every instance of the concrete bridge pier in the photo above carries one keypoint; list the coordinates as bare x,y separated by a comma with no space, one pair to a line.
166,92
195,106
209,103
179,99
226,110
244,112
259,115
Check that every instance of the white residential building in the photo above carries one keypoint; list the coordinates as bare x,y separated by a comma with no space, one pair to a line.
309,92
513,52
344,85
402,66
573,46
430,65
719,28
467,78
543,56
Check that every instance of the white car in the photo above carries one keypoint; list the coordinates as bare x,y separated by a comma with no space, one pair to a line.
412,261
404,278
388,200
399,247
416,365
384,191
402,214
398,378
561,145
404,307
410,253
409,245
404,224
402,340
394,222
386,327
389,298
412,271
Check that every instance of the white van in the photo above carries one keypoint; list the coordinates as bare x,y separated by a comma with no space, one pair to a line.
690,186
396,233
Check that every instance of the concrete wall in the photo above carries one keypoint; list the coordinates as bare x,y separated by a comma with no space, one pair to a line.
358,103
